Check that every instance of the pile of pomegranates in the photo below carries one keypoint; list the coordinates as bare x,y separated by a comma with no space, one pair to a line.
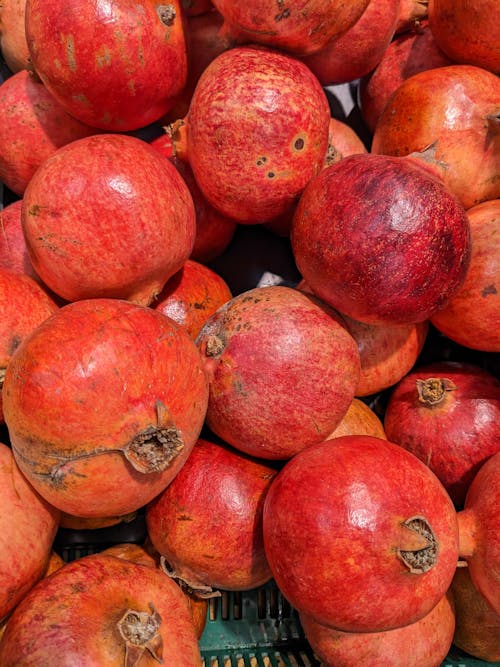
250,302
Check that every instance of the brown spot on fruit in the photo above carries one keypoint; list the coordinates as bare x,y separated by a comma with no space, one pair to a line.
166,14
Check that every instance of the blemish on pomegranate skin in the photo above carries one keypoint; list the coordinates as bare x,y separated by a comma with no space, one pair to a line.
261,161
488,290
271,174
70,52
166,14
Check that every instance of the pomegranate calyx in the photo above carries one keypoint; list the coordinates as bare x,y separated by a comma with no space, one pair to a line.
197,590
420,559
140,632
2,376
177,131
214,346
166,14
155,447
432,391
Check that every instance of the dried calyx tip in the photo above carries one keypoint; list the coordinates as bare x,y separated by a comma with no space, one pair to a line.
433,390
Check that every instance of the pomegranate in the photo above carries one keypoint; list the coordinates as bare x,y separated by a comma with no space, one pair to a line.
381,240
255,133
28,527
133,615
479,524
14,255
360,534
304,27
192,295
13,43
424,642
359,419
356,51
447,414
411,15
467,33
457,108
477,630
472,316
387,352
407,54
282,371
148,556
34,125
131,386
342,141
23,306
107,216
117,67
71,522
207,524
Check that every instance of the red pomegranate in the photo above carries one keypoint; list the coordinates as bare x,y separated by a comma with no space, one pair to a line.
23,306
472,316
359,419
457,108
407,54
356,51
303,27
381,240
447,414
117,67
479,531
467,32
107,216
133,615
342,141
13,43
360,534
28,527
282,371
477,629
14,255
412,13
34,125
192,295
424,642
207,524
256,132
132,388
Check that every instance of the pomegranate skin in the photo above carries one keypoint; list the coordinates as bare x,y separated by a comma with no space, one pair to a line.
255,133
34,125
454,429
472,316
333,547
456,108
359,419
47,628
207,524
132,389
13,44
282,371
380,240
117,67
28,527
425,642
107,216
14,255
303,27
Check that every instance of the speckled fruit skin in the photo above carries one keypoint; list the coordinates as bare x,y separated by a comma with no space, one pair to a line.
359,419
12,35
380,240
192,295
256,132
23,306
425,642
71,618
479,531
303,27
34,125
14,255
104,401
116,66
207,524
107,216
407,54
472,316
357,50
282,371
457,108
334,524
28,527
455,436
467,33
